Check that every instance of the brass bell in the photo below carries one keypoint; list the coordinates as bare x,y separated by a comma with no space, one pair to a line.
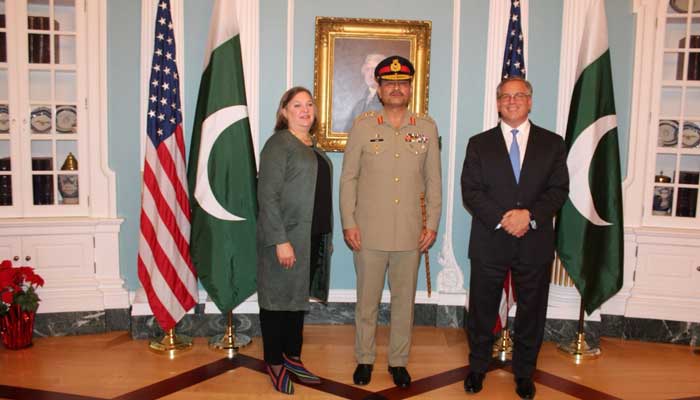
661,178
71,163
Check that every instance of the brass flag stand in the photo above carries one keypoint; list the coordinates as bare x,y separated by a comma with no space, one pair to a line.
171,344
228,342
503,348
579,349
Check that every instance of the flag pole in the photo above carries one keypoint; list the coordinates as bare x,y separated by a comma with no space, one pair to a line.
503,348
228,342
579,349
427,257
171,344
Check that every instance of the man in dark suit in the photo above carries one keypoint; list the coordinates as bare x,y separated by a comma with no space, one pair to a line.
514,180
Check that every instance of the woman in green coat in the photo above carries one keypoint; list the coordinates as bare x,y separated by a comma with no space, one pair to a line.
294,236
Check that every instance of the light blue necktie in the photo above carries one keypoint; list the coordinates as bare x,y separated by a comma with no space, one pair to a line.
515,156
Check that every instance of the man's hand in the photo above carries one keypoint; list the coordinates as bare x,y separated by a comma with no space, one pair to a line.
285,255
352,238
516,222
427,237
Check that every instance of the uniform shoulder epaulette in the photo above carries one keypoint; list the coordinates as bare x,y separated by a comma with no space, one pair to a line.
425,117
368,114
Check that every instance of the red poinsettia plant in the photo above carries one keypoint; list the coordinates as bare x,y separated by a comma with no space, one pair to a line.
18,287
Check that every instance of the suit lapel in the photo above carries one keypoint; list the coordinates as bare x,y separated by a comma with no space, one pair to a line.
530,153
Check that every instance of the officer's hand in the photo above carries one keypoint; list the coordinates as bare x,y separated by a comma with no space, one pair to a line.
427,237
285,255
352,238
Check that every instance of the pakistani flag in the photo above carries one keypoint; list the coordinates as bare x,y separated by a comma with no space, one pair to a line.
589,226
221,171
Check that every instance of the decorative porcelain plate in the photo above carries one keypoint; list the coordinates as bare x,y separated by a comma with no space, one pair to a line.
41,120
668,133
66,119
682,6
691,135
4,119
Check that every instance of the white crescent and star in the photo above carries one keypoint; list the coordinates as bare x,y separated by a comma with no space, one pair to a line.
212,128
579,164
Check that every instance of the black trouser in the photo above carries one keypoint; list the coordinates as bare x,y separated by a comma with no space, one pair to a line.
531,286
282,333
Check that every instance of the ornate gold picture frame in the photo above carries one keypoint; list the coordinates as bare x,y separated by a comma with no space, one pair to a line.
346,51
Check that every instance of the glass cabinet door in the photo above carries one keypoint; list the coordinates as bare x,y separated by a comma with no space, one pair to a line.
52,102
40,153
9,161
675,184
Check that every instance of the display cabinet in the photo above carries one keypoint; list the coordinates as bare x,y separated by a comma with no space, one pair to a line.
662,223
57,195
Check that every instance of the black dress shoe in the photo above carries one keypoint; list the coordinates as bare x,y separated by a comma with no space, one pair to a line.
525,388
474,382
363,374
401,377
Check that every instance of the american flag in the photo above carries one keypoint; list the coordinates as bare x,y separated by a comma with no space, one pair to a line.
513,57
164,265
513,65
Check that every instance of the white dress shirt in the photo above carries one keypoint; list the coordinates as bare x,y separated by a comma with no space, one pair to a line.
523,134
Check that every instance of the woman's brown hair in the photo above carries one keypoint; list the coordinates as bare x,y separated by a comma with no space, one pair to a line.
282,122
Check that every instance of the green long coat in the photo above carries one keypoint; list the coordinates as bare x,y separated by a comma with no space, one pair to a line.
286,190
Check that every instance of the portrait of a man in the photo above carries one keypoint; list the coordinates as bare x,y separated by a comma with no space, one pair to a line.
354,87
346,53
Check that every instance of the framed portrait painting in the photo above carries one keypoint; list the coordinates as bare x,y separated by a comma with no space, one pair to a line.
346,52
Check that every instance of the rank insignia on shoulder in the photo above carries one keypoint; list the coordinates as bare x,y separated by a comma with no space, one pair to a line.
415,138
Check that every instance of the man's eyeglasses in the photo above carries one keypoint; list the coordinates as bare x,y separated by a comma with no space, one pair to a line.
520,96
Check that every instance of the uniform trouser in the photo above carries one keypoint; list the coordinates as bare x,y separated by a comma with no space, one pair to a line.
531,285
282,332
371,268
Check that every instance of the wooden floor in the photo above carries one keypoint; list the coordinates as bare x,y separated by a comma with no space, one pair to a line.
113,366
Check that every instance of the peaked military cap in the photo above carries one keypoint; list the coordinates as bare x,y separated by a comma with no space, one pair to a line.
394,68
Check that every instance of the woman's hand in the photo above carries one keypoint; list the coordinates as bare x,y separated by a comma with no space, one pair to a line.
285,255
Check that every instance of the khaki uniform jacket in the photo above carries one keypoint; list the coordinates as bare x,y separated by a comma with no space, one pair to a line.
385,170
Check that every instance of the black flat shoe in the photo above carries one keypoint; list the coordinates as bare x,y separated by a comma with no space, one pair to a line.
525,388
401,377
362,374
474,382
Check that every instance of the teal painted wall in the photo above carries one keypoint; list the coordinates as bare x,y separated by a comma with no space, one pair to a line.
545,32
543,45
123,75
621,41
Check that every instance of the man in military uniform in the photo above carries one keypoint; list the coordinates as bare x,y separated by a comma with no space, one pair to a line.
391,158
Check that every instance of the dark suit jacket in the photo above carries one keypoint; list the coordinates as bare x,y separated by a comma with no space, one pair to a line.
489,190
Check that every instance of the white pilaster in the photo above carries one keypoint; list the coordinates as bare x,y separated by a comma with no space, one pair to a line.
451,278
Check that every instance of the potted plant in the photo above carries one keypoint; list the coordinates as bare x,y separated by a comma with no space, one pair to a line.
18,304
